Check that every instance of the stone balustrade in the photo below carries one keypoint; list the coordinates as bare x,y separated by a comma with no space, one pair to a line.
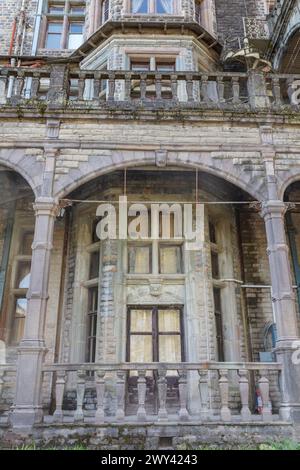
111,382
56,86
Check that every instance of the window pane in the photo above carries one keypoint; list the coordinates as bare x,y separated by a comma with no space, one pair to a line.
141,348
212,233
164,6
94,264
215,265
19,319
165,67
54,27
105,10
141,321
77,10
170,259
76,28
139,6
139,66
139,259
168,321
93,300
26,243
56,9
169,348
75,35
23,275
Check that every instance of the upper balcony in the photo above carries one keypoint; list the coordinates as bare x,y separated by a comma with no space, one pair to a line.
58,87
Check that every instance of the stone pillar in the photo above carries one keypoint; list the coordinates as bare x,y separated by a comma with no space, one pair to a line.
273,212
257,89
27,409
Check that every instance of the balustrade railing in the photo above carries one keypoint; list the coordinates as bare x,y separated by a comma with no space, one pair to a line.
57,86
111,383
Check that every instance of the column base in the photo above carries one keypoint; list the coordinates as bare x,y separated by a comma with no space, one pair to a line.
25,417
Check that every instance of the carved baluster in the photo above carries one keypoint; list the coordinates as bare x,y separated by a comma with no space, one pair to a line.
143,85
264,387
59,395
224,394
127,90
244,393
183,412
111,86
162,395
35,85
96,85
174,87
276,91
158,86
100,391
142,386
19,83
81,85
235,81
221,89
204,395
189,87
120,414
78,416
204,88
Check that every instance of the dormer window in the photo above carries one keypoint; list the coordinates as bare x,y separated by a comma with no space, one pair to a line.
162,7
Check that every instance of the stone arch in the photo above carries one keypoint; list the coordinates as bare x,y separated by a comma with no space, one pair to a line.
97,166
25,165
288,181
290,40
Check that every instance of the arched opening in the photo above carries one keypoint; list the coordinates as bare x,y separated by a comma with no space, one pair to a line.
151,299
16,236
290,60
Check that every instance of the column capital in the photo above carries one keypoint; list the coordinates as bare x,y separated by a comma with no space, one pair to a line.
273,208
46,206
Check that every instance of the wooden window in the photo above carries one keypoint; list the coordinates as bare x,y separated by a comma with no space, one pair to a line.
20,312
219,324
92,324
155,334
63,24
94,264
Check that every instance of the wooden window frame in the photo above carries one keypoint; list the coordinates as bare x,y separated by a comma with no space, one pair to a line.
155,329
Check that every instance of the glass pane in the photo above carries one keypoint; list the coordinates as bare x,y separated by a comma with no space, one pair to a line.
166,67
75,41
77,10
170,259
56,9
169,348
139,6
76,28
141,348
139,259
94,264
138,66
19,319
93,299
54,27
26,243
212,233
141,321
23,275
164,6
168,321
215,265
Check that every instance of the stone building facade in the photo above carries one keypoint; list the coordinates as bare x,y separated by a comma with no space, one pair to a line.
125,337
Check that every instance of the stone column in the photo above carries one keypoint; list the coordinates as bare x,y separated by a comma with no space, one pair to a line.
27,409
273,212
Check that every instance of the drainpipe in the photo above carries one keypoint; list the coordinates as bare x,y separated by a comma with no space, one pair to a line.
37,25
